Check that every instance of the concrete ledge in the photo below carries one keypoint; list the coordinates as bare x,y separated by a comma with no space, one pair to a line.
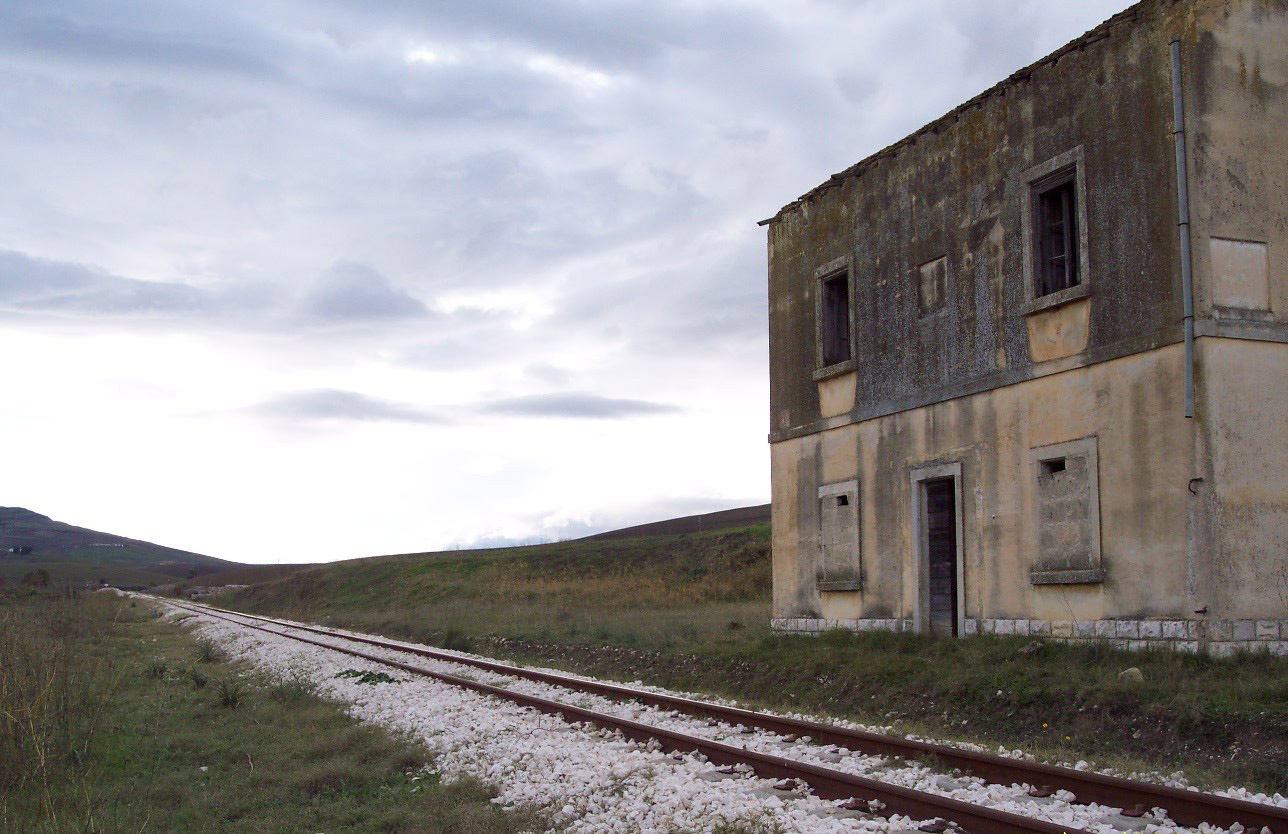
1067,577
1056,299
840,585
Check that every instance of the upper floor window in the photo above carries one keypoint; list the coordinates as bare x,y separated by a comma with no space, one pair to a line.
835,311
1056,225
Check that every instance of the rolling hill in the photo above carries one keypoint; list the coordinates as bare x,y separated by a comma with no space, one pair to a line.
76,556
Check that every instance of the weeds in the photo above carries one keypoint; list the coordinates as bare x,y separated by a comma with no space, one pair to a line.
231,692
156,668
371,678
208,652
199,678
293,689
54,690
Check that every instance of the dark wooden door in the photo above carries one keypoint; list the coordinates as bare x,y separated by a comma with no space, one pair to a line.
941,552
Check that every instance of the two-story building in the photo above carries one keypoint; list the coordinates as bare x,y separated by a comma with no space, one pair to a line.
1029,365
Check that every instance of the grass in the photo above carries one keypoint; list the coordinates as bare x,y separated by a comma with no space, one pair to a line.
120,748
691,586
691,611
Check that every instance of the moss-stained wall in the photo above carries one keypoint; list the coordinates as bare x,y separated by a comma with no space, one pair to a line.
957,190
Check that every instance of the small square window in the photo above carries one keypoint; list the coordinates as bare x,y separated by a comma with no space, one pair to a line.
1055,228
1051,467
834,329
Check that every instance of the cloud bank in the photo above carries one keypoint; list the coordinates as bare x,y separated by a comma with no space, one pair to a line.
494,261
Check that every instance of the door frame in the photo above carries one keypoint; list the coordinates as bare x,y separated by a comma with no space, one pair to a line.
918,476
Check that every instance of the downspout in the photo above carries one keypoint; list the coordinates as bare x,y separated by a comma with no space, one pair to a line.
1197,575
1183,222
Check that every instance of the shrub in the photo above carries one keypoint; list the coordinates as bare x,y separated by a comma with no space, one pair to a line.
37,578
208,652
295,688
231,692
456,641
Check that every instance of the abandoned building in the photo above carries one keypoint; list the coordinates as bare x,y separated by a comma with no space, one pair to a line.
1029,365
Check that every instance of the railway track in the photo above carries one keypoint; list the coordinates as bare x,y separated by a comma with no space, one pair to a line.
1189,808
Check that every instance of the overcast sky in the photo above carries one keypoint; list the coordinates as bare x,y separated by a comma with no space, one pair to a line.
304,281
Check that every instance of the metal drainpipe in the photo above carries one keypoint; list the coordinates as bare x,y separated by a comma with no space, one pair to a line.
1183,222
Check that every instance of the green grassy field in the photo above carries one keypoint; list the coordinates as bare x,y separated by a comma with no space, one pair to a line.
692,611
112,722
76,573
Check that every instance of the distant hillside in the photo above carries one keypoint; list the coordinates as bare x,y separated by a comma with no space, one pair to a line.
74,555
726,520
720,520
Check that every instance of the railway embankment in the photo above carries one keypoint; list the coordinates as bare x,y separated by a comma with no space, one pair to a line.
728,768
691,612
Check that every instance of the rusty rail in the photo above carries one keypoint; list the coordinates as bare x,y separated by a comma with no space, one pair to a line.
1184,806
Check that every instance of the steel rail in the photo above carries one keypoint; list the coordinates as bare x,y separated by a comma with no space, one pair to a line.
824,782
1185,807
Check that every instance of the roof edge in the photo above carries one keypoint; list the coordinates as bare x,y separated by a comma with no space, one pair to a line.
1098,33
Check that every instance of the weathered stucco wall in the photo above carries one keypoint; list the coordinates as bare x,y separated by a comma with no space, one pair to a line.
1144,452
954,363
1237,94
1245,415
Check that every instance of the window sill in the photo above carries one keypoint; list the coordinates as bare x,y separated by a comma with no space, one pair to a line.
1067,577
841,585
835,370
1055,299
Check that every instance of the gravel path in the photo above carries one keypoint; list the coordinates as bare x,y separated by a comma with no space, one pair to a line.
590,780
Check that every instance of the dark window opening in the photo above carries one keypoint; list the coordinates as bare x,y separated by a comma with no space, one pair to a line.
842,500
1056,224
1050,467
836,319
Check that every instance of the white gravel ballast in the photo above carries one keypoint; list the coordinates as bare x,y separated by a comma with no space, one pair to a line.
586,779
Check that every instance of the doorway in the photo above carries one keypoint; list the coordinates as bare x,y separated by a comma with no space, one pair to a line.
940,547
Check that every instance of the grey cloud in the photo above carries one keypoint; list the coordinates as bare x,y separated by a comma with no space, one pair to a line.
575,405
351,291
346,293
335,405
678,308
38,285
49,31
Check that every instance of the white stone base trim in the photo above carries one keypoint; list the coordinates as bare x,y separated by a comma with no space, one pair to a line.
813,625
1218,637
